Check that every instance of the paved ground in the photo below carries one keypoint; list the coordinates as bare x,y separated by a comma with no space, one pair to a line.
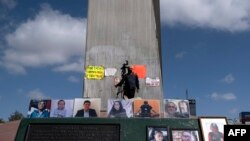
8,130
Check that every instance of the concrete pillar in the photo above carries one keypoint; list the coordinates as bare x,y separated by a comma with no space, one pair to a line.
120,30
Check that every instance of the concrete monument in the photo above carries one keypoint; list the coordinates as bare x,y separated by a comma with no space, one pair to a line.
119,30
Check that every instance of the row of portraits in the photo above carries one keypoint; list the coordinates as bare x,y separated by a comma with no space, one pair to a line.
82,107
164,133
212,129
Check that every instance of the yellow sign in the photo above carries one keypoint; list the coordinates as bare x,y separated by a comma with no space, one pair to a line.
94,72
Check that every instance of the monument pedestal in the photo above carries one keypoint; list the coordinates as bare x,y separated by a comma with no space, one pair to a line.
95,129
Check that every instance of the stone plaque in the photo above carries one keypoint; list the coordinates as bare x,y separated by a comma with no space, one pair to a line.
73,132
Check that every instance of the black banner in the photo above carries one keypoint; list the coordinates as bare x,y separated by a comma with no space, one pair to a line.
73,132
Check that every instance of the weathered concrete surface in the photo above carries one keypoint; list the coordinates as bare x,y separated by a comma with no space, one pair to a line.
120,30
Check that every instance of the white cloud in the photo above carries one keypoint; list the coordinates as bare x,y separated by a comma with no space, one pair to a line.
226,96
14,68
229,15
228,79
73,79
36,94
50,39
10,4
70,67
180,55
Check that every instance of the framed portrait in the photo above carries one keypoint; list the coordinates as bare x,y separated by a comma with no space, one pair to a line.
119,108
212,128
148,108
87,107
39,108
62,108
185,135
176,108
157,133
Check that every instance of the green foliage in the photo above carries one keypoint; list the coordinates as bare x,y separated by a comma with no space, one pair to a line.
16,116
1,120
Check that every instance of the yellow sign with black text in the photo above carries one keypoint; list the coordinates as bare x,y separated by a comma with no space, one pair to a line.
94,72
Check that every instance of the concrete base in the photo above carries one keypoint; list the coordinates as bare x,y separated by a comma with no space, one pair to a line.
130,129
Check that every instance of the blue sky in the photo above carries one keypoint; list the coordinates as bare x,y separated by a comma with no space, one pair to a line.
205,49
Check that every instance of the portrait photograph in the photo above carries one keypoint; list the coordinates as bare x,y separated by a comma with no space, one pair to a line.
119,108
87,107
212,128
149,108
176,108
62,108
185,135
157,133
39,108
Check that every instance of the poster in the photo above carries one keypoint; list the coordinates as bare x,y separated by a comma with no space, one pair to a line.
147,108
152,82
93,105
140,70
118,108
61,108
110,71
94,72
176,108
